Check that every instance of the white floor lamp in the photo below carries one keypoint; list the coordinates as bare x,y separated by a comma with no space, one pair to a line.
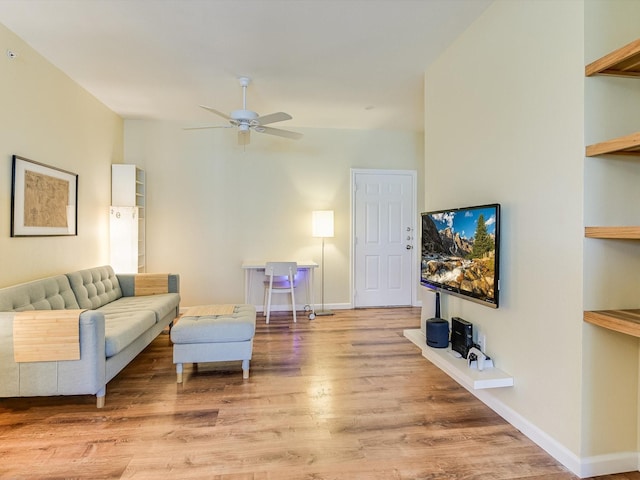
322,222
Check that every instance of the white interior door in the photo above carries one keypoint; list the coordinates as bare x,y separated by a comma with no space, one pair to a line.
384,237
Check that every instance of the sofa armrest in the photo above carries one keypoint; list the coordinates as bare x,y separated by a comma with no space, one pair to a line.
128,281
65,377
46,335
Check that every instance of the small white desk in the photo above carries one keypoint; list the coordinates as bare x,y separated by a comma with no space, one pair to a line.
254,273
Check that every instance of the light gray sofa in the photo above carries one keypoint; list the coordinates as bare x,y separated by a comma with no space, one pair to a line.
115,326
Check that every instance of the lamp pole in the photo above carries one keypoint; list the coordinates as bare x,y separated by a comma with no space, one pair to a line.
323,311
322,222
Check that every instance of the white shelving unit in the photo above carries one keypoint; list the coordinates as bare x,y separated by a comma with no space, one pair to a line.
127,219
457,368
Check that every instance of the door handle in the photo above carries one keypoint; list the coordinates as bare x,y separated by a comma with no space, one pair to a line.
409,247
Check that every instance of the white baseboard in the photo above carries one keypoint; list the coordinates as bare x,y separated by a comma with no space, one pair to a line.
300,308
583,467
327,306
609,464
534,433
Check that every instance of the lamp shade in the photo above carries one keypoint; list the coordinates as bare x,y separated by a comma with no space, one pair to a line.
322,223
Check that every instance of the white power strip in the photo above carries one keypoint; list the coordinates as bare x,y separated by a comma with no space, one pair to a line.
488,363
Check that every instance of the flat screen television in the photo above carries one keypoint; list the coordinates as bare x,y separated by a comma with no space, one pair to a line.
461,252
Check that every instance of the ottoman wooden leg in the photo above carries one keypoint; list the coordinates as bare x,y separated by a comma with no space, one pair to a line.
245,368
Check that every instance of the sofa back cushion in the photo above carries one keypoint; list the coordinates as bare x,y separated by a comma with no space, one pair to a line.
52,293
95,287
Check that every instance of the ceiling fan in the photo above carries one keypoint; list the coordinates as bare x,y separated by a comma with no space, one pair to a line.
247,120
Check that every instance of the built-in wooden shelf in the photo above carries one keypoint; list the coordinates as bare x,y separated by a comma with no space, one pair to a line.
620,233
623,62
623,321
627,145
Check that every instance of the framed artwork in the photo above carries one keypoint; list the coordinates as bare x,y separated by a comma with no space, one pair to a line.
44,200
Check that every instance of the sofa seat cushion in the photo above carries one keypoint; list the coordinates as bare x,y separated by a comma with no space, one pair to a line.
240,326
122,328
129,317
161,305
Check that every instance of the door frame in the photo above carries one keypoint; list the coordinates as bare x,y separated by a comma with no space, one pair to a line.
416,233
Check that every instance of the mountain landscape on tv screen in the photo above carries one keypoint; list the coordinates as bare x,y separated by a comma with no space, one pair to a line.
459,261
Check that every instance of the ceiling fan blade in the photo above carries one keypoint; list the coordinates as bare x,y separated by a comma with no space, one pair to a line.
279,132
217,112
272,118
207,126
244,137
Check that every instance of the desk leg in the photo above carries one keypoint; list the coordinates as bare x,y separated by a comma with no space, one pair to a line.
249,279
247,284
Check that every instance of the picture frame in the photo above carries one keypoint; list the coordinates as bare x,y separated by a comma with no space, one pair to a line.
44,200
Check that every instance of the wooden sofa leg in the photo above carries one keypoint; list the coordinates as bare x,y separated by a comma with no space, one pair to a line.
245,369
100,396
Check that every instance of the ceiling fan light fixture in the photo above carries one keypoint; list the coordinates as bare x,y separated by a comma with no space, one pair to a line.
243,115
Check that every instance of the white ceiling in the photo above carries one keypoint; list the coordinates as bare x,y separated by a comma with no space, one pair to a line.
328,63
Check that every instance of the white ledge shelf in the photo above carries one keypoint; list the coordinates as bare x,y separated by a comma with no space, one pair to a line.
457,368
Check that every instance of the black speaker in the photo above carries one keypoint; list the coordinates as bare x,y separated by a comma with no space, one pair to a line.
437,333
461,336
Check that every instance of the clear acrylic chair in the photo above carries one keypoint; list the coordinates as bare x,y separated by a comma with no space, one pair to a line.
281,277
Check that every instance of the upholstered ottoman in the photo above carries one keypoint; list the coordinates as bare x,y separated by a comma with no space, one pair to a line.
214,333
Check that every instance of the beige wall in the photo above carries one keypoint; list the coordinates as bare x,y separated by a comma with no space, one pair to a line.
509,108
213,204
504,123
508,113
48,118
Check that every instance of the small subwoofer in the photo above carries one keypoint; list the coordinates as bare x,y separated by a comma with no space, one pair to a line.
437,333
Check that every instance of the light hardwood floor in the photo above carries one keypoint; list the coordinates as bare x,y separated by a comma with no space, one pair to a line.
336,398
